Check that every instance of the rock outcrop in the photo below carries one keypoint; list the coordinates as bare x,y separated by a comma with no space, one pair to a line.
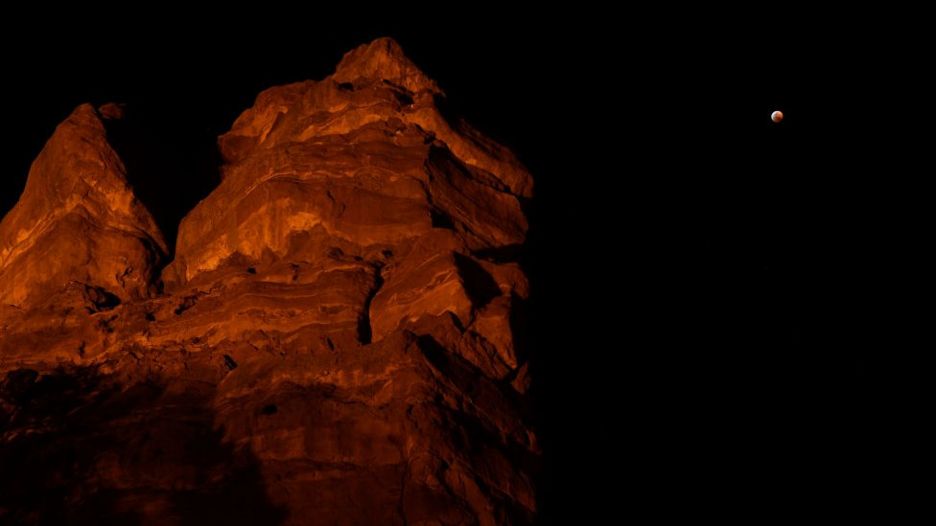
78,221
338,339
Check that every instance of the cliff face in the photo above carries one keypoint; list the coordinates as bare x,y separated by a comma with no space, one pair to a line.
336,341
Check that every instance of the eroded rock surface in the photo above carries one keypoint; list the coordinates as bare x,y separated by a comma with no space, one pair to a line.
338,339
78,220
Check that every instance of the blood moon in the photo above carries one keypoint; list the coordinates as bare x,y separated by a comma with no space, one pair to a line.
776,116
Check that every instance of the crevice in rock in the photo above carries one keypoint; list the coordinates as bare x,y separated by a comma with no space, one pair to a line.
403,98
99,299
187,303
440,219
480,286
365,331
229,362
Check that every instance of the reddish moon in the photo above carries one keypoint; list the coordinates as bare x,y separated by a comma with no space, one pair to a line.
776,116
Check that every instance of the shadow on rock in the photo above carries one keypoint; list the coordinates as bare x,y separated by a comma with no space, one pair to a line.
78,447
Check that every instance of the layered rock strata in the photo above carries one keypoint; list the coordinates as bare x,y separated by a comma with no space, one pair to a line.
337,340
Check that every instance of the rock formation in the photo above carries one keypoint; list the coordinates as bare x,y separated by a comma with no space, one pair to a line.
78,220
337,340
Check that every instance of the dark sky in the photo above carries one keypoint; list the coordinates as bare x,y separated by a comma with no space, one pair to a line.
702,332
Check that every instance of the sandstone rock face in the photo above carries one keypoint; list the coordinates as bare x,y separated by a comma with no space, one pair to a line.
78,221
338,339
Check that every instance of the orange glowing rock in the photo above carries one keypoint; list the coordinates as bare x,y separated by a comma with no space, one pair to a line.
78,220
334,340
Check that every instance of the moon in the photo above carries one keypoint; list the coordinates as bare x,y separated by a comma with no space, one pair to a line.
776,116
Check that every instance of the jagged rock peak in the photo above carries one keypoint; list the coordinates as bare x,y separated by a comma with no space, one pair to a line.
365,157
78,219
383,60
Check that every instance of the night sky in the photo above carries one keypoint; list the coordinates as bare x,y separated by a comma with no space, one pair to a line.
704,327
